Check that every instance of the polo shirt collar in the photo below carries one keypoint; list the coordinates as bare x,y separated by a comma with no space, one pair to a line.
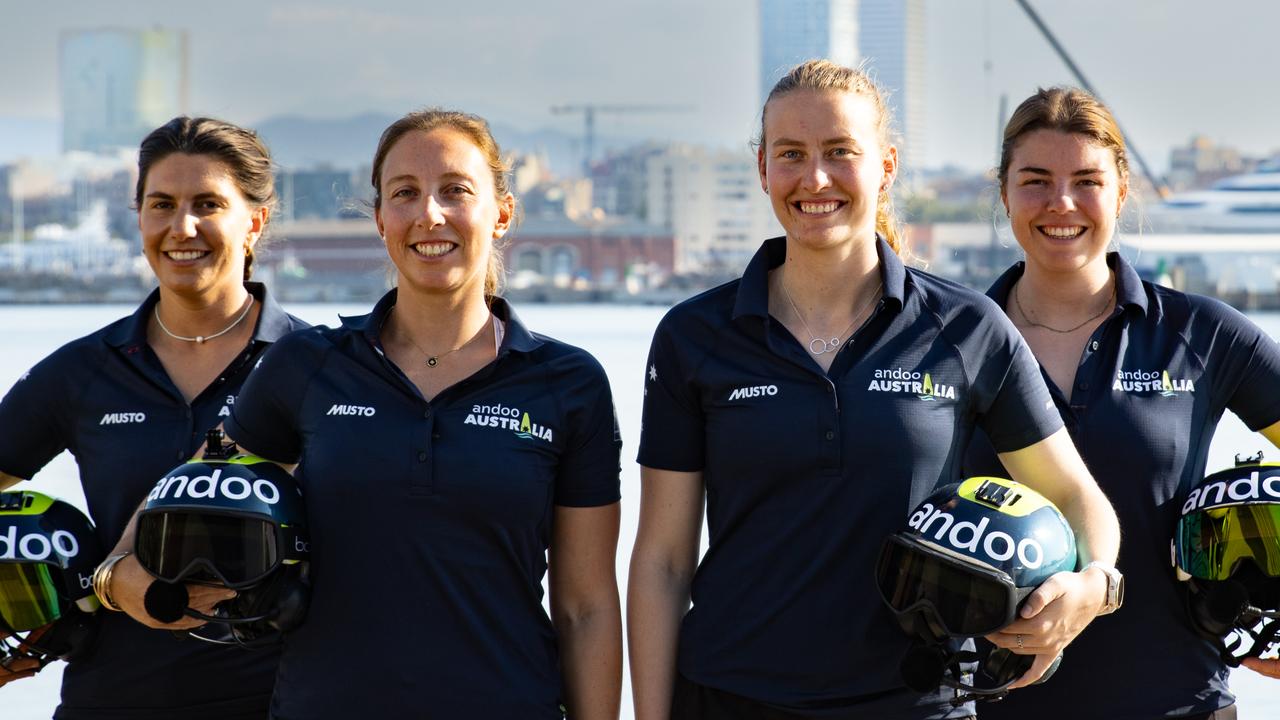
1130,292
515,335
753,288
273,321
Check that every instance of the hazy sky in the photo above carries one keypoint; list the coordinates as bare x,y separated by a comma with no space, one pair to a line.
1170,68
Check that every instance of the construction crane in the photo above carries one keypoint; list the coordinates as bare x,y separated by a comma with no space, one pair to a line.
1156,183
589,111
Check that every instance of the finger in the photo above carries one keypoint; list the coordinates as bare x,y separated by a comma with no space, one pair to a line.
1039,599
1270,668
1036,671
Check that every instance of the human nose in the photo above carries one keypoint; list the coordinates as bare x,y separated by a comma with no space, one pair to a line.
183,224
816,177
433,213
1062,201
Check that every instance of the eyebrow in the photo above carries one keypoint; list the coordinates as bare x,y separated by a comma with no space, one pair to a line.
1042,171
200,196
788,142
447,176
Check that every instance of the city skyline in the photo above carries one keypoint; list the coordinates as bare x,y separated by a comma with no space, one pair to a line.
1156,64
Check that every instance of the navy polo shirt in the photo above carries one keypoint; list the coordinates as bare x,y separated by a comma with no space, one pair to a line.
807,472
429,520
1152,384
107,399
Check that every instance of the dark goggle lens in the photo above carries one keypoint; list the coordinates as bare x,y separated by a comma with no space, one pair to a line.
965,601
177,546
28,596
1210,544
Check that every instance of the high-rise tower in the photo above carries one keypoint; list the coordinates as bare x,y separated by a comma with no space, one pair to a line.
891,40
792,31
119,84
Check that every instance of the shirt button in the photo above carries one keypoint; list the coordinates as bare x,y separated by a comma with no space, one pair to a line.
182,455
830,435
1083,386
1093,345
426,413
422,457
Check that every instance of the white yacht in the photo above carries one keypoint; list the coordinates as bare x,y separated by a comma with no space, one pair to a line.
1239,204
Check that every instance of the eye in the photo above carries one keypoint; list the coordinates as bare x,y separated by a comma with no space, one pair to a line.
404,192
790,155
161,205
1091,182
841,152
457,190
1035,181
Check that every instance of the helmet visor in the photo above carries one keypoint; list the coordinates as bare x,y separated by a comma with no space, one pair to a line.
28,596
1210,544
177,546
967,600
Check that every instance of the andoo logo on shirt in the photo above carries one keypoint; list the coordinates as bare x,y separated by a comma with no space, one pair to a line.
507,418
899,380
1140,381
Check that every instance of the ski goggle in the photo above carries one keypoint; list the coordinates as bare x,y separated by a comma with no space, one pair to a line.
29,599
962,599
1210,544
231,550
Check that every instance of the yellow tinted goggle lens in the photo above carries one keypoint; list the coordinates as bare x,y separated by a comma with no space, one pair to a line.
28,597
1212,543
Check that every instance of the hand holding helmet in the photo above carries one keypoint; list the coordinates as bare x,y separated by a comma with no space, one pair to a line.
223,541
969,557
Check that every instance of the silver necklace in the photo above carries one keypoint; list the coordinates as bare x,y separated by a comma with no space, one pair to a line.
1111,301
434,360
201,339
819,345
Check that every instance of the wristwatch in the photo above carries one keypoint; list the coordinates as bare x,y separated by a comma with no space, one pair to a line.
1115,587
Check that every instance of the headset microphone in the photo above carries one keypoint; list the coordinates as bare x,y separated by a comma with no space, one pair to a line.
166,602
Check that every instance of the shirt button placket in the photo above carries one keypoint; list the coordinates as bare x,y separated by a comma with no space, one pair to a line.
423,477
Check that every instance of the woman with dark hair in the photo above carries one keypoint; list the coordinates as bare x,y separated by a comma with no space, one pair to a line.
811,405
1140,374
450,459
135,398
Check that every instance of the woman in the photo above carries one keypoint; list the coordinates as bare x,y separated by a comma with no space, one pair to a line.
442,448
1097,329
134,399
818,399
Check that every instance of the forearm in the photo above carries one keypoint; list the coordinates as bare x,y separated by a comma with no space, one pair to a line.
657,599
591,658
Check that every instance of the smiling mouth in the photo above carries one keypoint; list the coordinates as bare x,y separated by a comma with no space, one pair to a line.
808,207
433,249
185,255
1061,233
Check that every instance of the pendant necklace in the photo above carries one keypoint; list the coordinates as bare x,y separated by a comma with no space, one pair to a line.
819,345
434,359
202,339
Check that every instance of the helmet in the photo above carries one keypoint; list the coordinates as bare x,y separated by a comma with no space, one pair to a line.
229,520
1226,550
48,551
968,557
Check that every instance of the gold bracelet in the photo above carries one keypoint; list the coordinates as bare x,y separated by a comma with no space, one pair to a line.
102,580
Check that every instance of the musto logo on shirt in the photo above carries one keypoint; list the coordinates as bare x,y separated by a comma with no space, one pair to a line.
1142,381
507,418
911,382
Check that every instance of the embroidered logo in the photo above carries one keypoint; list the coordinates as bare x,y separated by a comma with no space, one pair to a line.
357,410
507,418
753,391
1142,381
913,382
122,418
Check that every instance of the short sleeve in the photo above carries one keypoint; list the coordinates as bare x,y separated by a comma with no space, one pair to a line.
1019,410
589,470
1245,366
264,419
35,417
672,433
